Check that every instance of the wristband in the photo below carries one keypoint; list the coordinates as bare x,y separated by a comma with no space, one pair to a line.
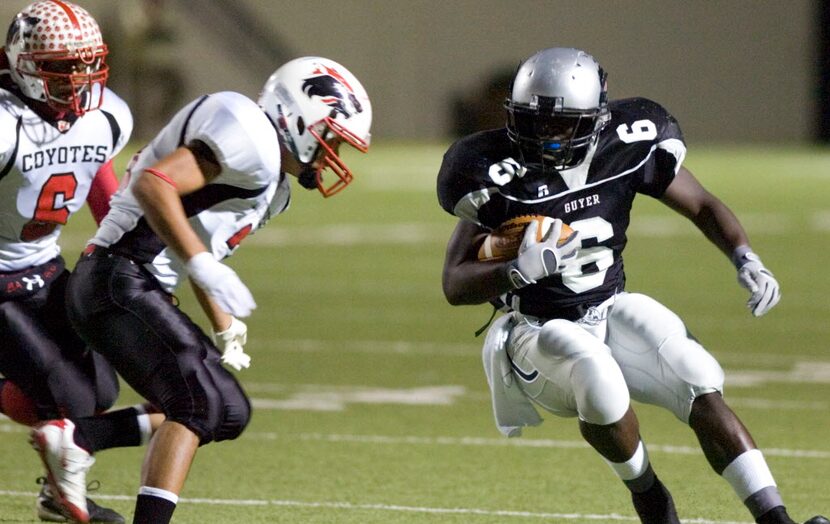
743,254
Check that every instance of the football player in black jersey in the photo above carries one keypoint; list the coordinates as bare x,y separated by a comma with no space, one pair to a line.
573,340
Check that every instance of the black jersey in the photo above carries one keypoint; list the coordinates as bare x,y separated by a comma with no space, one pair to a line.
482,179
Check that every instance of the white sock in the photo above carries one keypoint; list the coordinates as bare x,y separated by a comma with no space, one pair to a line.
636,472
634,467
748,474
159,493
144,428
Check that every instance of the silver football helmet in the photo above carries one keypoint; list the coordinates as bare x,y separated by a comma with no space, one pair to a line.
557,107
317,105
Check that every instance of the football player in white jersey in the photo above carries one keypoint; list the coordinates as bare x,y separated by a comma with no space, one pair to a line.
60,127
216,172
573,341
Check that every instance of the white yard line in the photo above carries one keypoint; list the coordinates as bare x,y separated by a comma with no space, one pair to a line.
326,397
473,349
650,226
394,508
10,427
501,442
781,405
375,346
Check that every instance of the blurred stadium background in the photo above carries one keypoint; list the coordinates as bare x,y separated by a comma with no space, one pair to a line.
370,402
731,71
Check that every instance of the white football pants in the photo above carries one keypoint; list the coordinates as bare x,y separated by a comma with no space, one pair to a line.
631,346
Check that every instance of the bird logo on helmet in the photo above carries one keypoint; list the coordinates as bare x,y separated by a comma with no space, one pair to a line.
334,91
317,105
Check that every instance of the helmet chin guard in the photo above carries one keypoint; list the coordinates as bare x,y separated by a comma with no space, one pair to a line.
557,107
57,55
317,106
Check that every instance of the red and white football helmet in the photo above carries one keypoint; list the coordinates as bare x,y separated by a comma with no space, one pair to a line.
56,55
317,105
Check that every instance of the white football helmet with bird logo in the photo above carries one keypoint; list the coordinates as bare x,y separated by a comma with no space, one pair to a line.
316,105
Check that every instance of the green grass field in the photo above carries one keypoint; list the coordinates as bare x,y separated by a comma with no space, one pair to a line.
370,400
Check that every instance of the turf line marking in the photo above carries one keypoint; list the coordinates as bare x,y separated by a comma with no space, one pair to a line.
481,441
411,233
384,347
473,350
663,225
785,405
326,397
394,507
529,443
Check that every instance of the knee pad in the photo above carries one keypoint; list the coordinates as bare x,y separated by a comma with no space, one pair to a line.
600,389
598,385
198,420
220,413
237,415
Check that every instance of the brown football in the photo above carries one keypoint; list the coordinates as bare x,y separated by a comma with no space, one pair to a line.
504,241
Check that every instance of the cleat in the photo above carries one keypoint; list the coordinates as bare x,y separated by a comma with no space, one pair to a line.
102,515
48,510
66,467
818,519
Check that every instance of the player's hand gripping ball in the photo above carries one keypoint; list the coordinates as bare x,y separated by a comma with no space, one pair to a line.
504,241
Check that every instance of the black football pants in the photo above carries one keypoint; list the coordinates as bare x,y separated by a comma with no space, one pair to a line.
42,355
122,312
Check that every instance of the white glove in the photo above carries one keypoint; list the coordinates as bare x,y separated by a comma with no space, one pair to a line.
230,342
538,260
222,284
757,279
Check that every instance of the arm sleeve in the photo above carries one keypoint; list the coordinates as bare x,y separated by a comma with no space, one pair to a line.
103,186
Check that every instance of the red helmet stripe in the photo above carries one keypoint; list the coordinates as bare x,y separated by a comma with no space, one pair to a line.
72,18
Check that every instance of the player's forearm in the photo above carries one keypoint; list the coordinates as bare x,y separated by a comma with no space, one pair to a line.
219,320
475,282
717,222
466,280
721,226
164,212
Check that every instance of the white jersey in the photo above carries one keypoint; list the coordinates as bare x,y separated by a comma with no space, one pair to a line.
46,174
249,189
